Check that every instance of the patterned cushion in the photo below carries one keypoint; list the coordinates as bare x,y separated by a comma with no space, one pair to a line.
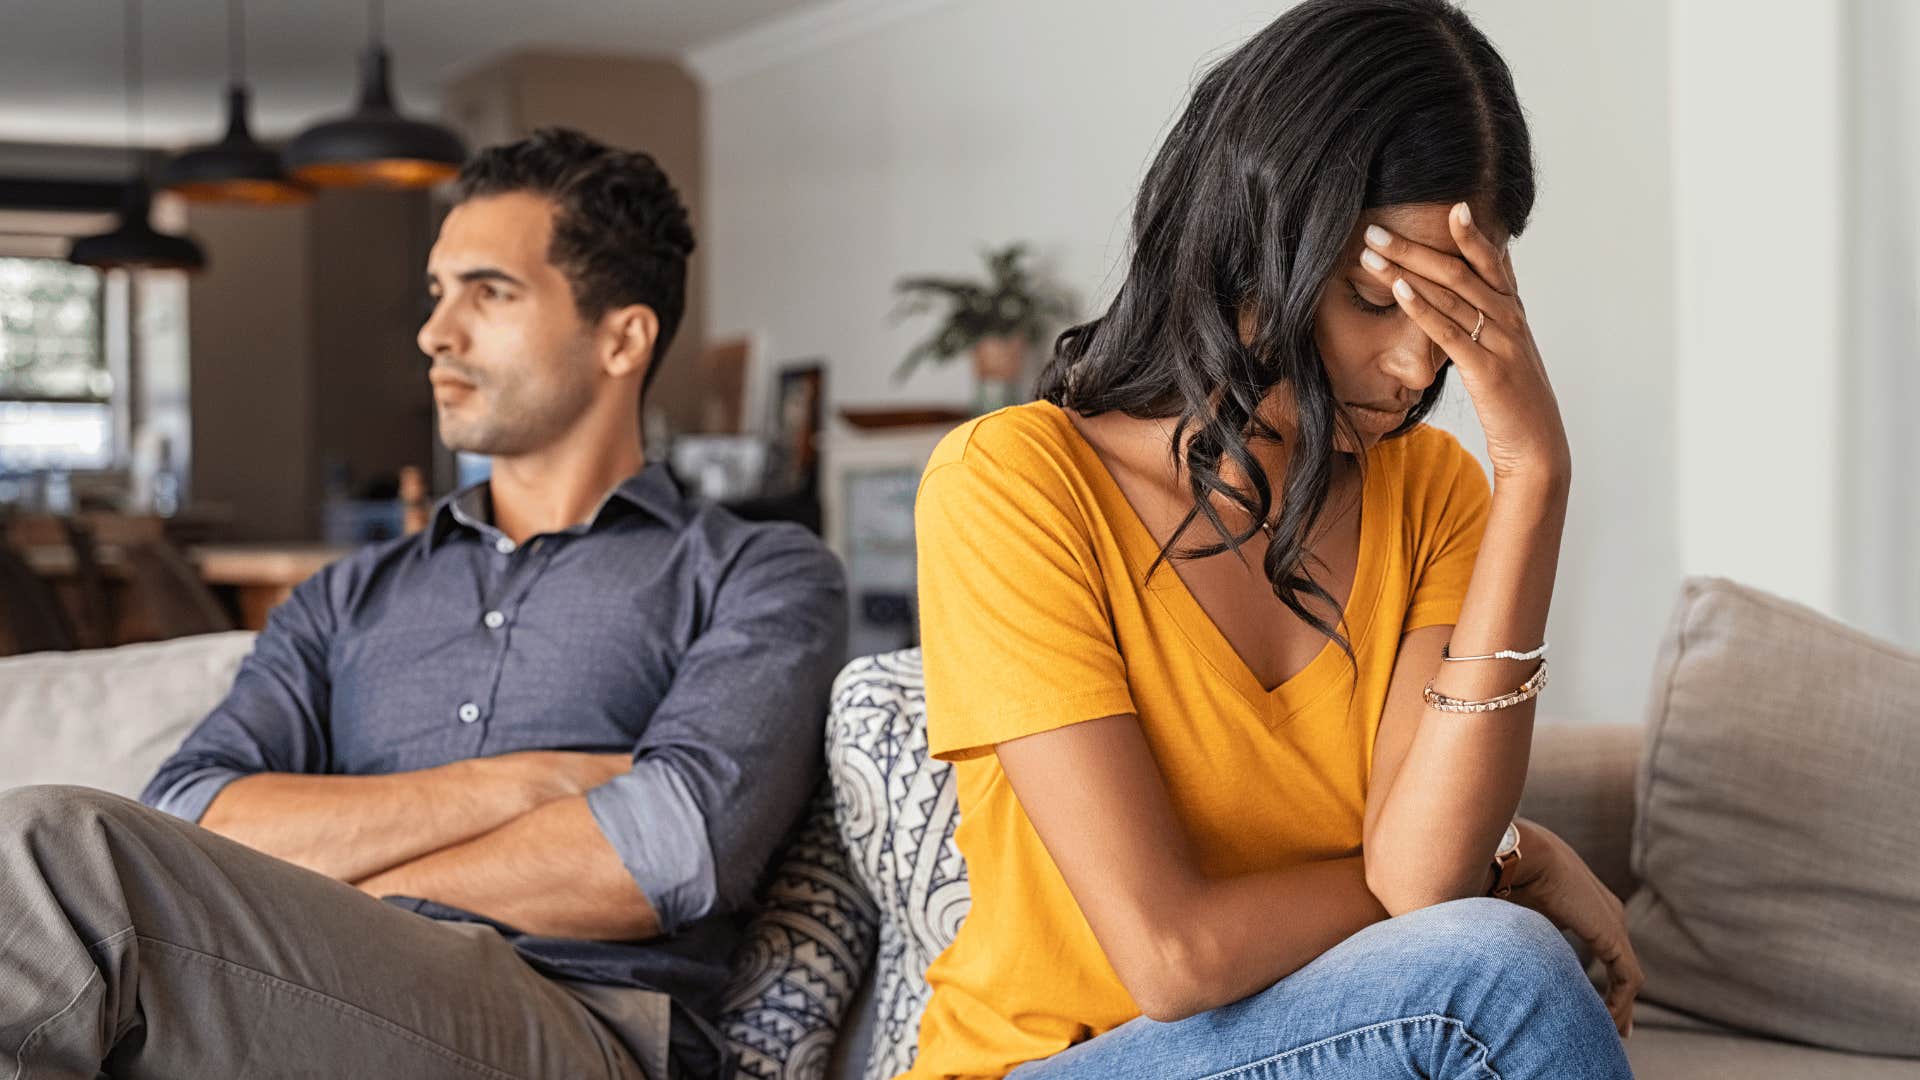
896,811
803,956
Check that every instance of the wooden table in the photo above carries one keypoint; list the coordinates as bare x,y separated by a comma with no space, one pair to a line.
260,576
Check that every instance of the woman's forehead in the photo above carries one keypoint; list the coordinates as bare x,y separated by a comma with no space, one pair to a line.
1422,223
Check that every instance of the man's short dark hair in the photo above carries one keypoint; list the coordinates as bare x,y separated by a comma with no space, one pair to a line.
620,232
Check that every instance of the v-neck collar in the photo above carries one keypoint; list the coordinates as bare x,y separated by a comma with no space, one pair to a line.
1328,669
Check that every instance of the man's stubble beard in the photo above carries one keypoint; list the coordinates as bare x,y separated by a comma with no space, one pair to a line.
516,419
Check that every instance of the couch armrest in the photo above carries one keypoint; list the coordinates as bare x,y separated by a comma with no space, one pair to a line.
1580,784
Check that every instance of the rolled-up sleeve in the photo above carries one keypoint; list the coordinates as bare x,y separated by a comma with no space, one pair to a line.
725,765
272,720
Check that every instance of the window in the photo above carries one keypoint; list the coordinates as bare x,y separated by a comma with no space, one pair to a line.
56,407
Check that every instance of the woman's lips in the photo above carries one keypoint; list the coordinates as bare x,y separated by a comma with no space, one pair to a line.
1374,419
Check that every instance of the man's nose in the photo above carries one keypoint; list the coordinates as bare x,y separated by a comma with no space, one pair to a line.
440,333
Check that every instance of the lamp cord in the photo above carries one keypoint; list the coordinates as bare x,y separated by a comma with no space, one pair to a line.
236,42
132,45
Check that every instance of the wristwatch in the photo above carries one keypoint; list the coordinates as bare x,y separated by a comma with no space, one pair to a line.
1504,861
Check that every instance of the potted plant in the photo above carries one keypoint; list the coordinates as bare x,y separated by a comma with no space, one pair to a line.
997,321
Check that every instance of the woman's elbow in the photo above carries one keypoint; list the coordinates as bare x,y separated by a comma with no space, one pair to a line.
1169,977
1400,893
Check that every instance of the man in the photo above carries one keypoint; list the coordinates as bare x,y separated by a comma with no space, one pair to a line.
561,731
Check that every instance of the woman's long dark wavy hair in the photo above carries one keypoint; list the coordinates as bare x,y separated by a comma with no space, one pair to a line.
1337,107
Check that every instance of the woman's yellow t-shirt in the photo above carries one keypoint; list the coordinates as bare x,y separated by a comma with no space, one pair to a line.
1036,613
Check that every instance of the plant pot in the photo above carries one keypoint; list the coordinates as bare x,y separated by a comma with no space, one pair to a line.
999,367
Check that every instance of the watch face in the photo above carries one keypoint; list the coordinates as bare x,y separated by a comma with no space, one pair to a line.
1509,841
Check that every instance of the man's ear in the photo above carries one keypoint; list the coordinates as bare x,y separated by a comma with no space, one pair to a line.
628,334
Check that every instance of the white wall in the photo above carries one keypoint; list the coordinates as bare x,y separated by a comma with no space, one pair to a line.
906,143
1759,184
1797,270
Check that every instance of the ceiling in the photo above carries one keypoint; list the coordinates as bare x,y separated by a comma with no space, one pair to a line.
61,61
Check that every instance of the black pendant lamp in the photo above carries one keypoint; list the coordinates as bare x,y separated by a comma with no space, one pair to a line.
134,244
235,169
375,146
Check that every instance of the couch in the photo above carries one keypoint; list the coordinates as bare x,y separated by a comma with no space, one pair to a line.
869,887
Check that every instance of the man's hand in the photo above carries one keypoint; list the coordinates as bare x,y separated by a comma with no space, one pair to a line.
1553,880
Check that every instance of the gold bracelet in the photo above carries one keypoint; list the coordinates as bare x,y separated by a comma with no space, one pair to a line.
1527,692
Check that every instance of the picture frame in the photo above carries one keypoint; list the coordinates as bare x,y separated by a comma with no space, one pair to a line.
798,406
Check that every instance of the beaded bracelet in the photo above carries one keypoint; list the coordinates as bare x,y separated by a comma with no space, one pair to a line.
1503,654
1527,692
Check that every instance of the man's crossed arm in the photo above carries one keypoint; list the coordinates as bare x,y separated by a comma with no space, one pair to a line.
487,835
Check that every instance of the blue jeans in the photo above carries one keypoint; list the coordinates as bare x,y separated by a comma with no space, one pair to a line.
1472,988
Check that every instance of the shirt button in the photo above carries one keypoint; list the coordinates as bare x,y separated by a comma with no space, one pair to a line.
494,620
504,546
469,713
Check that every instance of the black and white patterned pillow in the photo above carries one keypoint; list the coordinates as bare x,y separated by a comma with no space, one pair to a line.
803,956
877,845
896,810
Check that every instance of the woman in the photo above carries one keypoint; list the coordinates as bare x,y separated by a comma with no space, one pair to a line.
1234,656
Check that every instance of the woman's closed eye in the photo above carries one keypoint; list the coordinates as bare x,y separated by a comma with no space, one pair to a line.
1363,304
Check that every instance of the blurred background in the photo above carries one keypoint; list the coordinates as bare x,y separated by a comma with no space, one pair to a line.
203,399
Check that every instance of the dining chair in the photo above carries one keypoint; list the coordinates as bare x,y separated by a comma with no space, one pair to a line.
31,618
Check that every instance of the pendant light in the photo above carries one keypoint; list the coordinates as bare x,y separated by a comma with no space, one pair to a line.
235,169
134,244
375,146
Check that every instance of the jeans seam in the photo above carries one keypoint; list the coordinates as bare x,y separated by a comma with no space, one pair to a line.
20,1055
345,1007
1486,1061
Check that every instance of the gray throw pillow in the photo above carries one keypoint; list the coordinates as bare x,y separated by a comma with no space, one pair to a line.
1777,836
107,718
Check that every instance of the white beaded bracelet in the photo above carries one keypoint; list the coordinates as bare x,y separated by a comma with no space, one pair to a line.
1503,654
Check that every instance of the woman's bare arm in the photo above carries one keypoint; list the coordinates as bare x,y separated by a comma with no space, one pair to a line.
1444,785
1181,942
1436,810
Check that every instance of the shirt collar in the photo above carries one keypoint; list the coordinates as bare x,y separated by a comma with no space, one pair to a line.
651,490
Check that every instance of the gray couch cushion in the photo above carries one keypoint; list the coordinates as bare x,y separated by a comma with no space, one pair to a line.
1774,843
1667,1046
106,718
1580,785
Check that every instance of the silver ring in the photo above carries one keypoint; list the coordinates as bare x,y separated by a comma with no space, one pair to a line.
1474,334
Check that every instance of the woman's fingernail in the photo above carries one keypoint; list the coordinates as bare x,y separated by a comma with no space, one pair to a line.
1465,215
1372,260
1401,289
1377,236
